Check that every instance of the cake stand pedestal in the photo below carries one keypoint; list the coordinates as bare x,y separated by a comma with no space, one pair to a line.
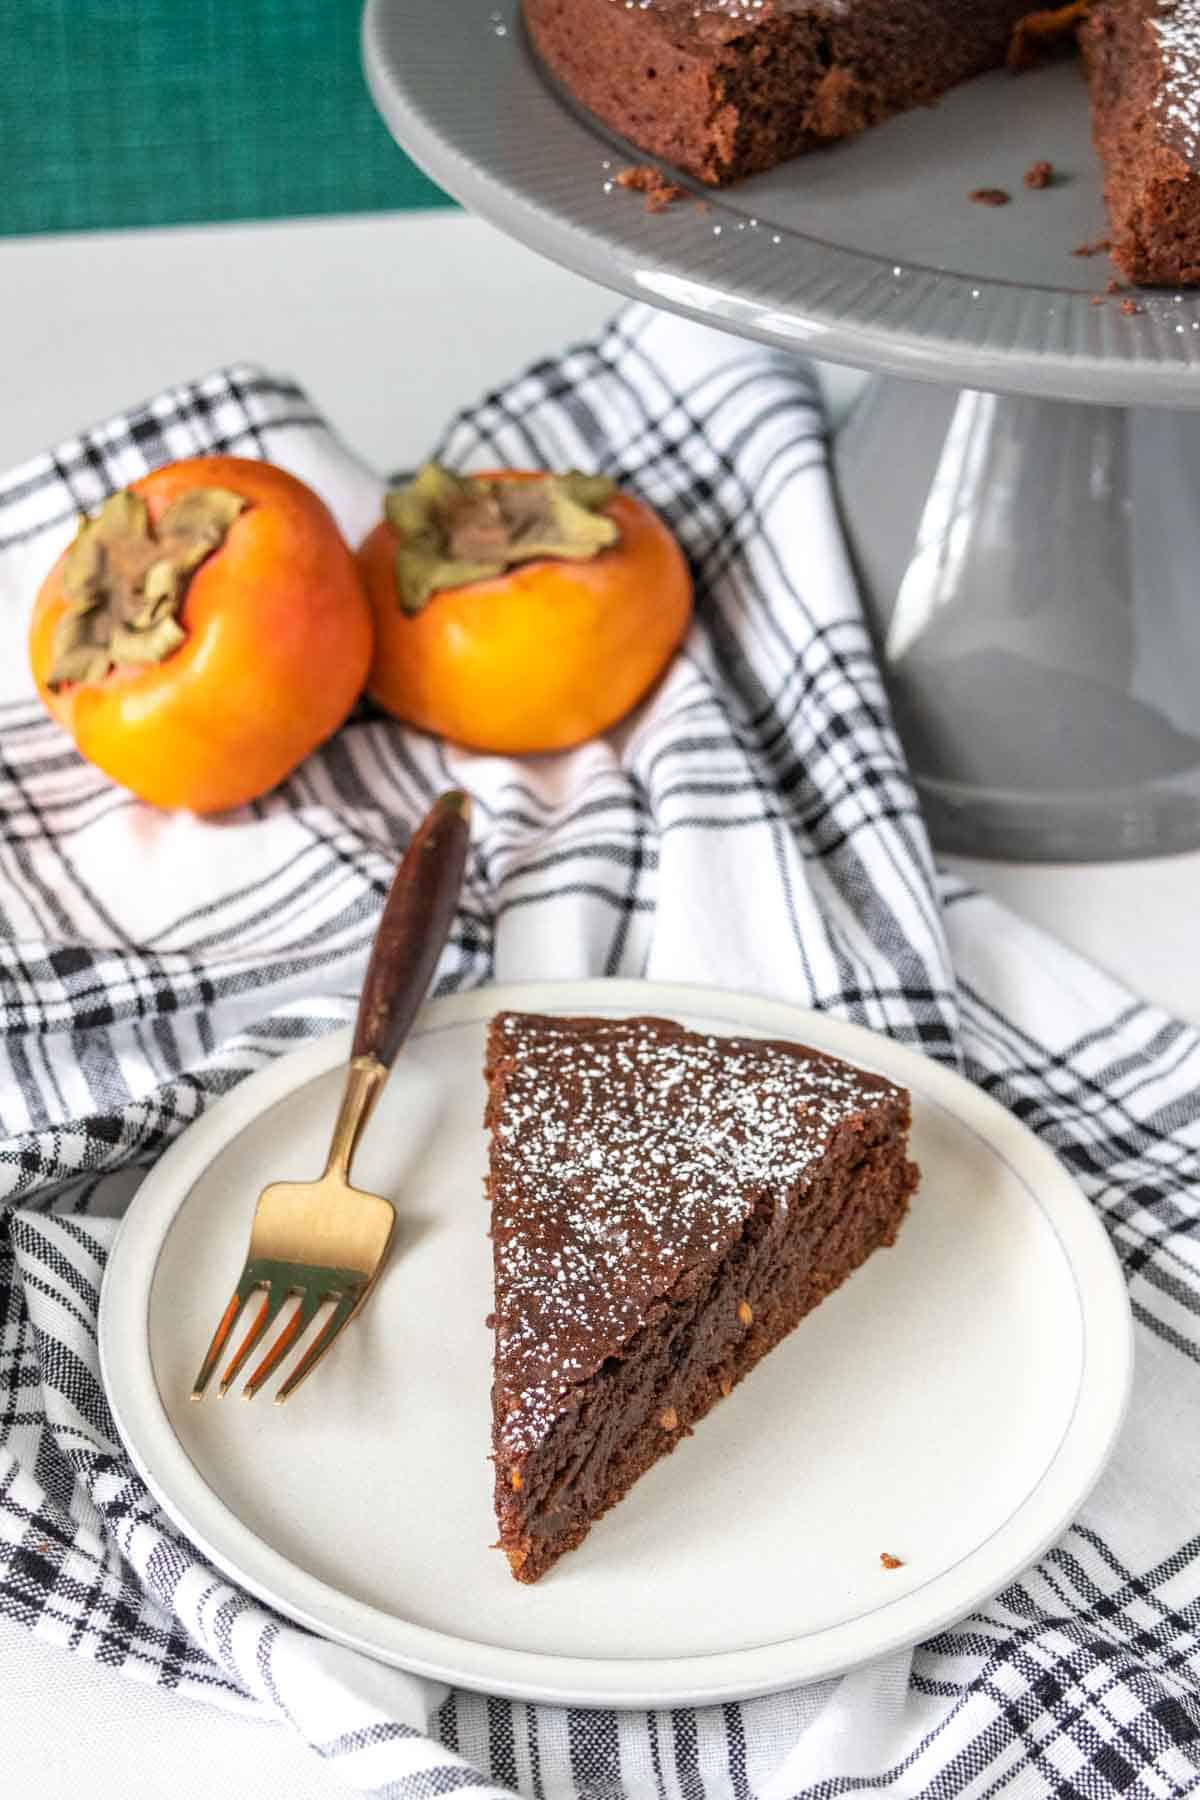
1021,483
1029,569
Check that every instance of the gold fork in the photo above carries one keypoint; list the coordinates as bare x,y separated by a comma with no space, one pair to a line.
324,1240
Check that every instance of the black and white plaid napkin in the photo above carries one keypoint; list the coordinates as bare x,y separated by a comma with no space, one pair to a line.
752,826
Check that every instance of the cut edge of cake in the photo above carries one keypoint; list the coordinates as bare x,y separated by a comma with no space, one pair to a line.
729,90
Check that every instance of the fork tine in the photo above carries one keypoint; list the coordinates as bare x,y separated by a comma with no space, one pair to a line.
220,1337
297,1325
340,1316
273,1298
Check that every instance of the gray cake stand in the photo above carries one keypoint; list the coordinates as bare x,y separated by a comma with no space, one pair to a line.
1020,483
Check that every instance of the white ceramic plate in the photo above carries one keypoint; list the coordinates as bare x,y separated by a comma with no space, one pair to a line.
951,1405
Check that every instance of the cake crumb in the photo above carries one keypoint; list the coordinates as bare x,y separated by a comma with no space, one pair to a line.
1097,248
1040,34
644,178
1039,175
889,1561
704,206
1129,308
989,196
1097,299
1113,286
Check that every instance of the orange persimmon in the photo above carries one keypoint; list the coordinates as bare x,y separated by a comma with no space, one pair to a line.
544,653
204,633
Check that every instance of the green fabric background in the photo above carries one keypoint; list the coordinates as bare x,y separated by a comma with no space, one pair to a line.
161,112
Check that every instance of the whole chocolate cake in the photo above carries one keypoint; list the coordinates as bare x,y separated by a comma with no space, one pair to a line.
665,1206
728,88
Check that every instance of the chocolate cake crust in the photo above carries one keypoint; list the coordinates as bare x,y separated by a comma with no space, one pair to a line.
1143,66
665,1207
727,88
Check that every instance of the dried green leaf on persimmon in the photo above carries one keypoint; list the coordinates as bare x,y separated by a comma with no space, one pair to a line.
124,515
197,523
152,645
125,581
160,589
456,529
422,571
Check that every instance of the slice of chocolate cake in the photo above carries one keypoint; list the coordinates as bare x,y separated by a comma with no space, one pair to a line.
726,88
1143,66
666,1206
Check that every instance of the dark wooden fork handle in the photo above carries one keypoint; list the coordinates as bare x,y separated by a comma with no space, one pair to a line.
417,916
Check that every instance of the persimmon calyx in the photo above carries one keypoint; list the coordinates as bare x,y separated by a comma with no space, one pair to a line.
455,529
125,581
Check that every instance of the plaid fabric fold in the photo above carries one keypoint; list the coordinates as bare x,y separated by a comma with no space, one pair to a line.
752,825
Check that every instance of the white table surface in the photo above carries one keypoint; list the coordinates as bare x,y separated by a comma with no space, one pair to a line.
391,322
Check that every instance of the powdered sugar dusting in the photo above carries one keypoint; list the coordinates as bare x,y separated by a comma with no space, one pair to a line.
724,18
625,1153
736,9
1177,25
